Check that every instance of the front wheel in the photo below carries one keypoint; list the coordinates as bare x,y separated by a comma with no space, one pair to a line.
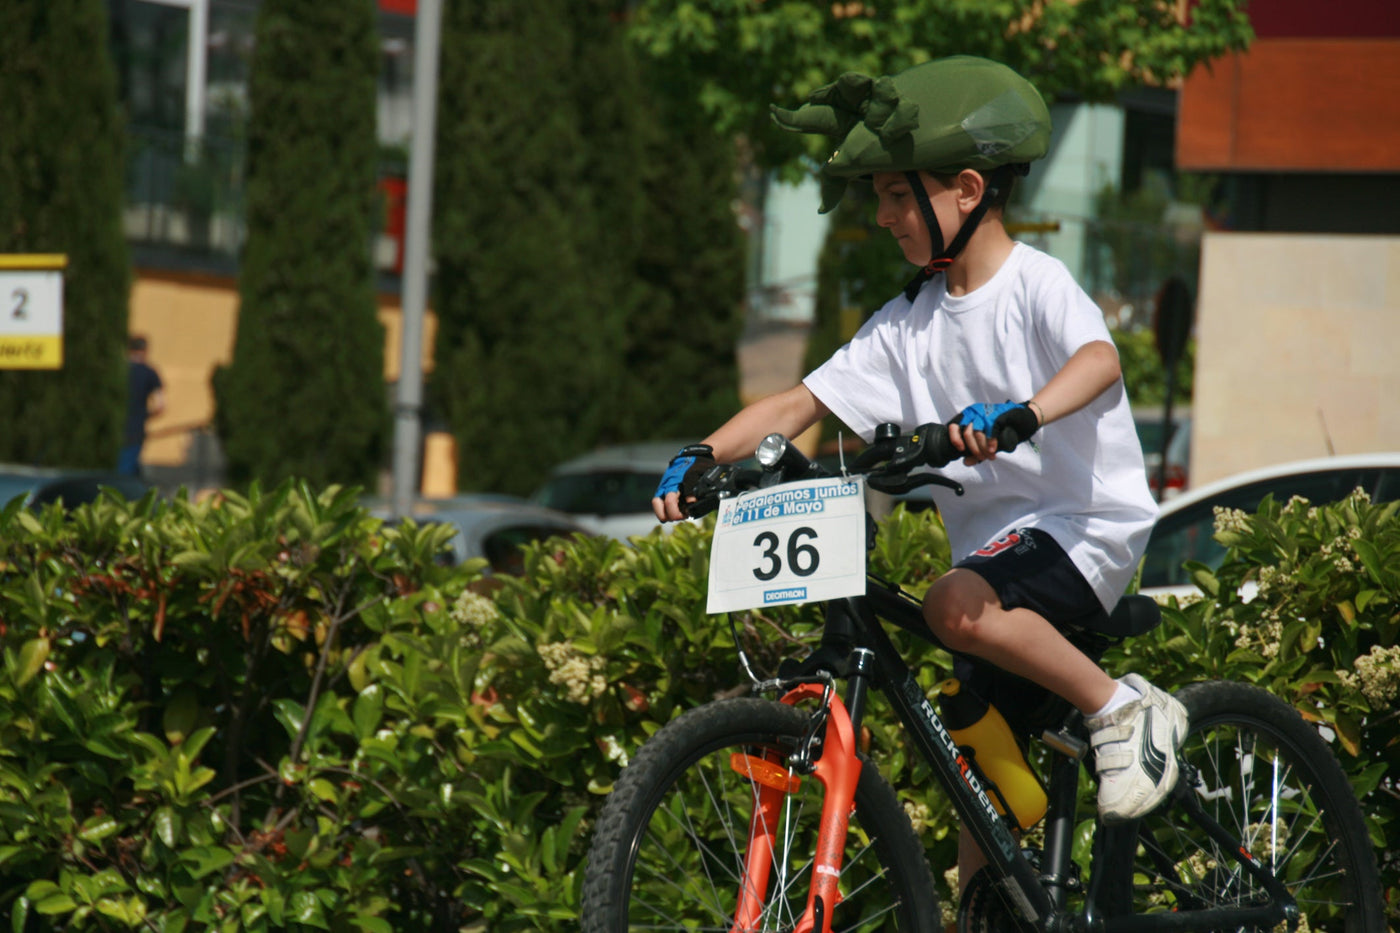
1265,775
669,849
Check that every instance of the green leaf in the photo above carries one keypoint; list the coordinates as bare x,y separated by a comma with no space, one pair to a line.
31,660
290,714
58,903
305,908
323,789
93,830
369,710
168,826
372,924
181,714
206,859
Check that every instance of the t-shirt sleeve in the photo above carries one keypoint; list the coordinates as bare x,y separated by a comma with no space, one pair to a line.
1068,317
859,383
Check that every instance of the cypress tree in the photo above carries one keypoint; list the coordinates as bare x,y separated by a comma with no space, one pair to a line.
529,329
590,272
61,172
304,395
680,359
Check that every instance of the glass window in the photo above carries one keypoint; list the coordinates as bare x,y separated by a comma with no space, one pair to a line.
1387,487
1189,535
503,547
612,492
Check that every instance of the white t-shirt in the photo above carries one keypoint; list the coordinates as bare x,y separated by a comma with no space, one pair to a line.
925,361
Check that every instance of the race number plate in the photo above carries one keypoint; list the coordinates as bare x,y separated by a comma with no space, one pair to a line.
795,543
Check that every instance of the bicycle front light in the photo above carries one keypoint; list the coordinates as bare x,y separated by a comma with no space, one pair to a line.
770,450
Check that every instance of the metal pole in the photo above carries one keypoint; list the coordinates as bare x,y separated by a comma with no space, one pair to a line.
196,74
408,410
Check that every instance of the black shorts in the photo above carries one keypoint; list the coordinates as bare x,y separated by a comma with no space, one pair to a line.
1029,570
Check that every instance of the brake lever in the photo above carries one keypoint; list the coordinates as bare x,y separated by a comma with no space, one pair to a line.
720,481
907,483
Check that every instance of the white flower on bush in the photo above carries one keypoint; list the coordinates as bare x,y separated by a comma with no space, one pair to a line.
1340,552
1259,836
948,906
579,674
1377,675
473,610
1264,636
1230,520
919,814
613,749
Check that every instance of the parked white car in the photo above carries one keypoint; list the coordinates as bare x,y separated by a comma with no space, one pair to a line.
609,490
1185,529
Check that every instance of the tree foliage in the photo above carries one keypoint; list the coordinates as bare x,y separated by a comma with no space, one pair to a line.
689,269
751,53
304,395
584,249
61,160
528,320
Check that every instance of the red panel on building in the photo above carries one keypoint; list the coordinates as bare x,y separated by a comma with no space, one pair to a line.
1328,19
401,7
1320,105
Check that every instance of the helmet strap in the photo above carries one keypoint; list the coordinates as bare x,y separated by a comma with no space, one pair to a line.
997,179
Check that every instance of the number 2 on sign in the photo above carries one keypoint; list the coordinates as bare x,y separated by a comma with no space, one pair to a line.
21,299
802,559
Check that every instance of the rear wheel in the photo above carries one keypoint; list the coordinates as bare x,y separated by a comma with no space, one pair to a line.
1265,775
669,849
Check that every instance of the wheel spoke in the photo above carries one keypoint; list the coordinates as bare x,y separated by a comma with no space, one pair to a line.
1268,779
679,858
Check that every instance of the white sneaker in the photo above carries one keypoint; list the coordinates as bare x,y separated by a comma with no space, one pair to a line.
1135,750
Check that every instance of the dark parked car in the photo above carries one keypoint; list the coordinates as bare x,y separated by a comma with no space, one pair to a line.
495,527
1186,527
41,485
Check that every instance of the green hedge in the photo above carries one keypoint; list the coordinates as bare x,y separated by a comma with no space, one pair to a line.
272,712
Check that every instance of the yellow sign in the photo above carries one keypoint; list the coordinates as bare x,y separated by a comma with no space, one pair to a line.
31,311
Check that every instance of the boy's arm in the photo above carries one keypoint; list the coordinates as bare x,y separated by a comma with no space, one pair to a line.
1092,369
789,413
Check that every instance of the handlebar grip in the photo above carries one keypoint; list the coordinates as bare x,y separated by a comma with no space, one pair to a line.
938,446
1007,439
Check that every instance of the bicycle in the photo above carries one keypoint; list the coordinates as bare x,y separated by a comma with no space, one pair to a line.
750,814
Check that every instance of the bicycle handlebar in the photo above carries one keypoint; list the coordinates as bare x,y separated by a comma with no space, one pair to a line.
887,464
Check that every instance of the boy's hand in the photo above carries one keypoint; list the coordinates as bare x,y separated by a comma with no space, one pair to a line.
977,430
688,464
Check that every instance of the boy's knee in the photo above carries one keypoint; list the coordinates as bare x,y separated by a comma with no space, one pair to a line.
955,608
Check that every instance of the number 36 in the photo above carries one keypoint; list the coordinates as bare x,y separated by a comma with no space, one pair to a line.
802,559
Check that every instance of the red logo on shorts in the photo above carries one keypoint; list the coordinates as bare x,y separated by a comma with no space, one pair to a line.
999,545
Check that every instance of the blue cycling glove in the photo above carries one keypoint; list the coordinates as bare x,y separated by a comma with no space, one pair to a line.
695,457
992,420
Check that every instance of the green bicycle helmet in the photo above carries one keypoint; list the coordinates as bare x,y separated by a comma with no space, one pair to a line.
941,116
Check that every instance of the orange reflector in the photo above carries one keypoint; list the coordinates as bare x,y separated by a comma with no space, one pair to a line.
765,772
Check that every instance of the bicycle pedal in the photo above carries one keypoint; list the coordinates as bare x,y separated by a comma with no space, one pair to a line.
1065,744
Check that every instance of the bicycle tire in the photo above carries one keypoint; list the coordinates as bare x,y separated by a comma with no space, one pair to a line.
666,850
1269,777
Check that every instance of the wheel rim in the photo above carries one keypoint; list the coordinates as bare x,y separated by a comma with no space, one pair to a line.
1259,786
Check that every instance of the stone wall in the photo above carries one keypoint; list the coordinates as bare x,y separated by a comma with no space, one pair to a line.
1298,350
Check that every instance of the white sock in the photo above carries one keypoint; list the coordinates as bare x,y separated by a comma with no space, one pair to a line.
1121,697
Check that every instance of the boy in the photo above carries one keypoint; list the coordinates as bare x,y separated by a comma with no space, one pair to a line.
1051,533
